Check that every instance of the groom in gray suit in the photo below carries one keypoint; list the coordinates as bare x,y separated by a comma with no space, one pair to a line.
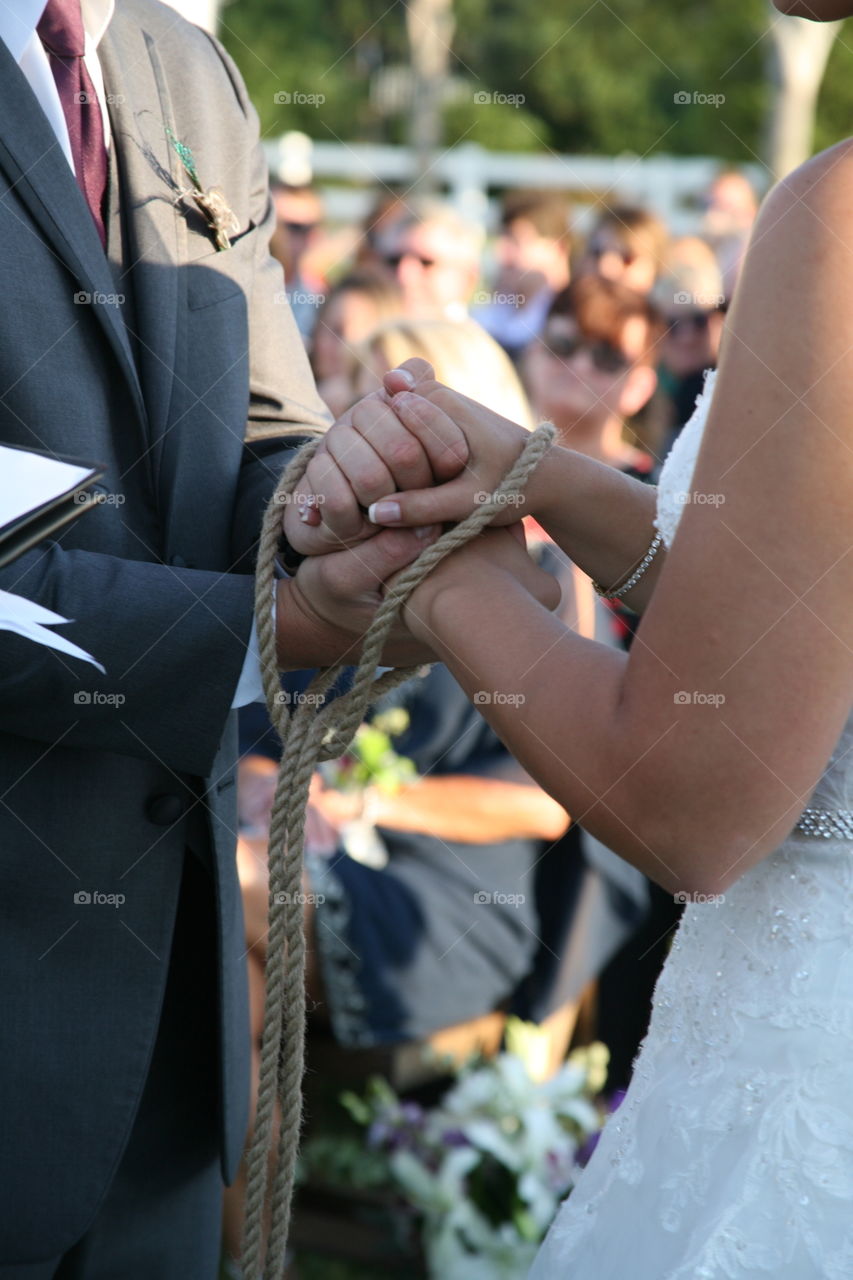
132,336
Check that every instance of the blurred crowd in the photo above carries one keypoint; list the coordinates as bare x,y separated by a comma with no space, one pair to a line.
462,891
420,260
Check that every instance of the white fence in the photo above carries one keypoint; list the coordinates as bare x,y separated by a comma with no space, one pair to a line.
349,174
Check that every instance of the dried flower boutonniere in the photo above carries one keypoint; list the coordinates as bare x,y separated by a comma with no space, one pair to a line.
221,220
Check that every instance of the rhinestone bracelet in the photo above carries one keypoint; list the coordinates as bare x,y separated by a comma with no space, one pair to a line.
615,592
828,823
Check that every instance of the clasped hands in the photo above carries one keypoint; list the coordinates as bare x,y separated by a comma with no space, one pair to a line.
397,467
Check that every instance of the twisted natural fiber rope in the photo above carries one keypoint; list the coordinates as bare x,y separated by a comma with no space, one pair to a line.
310,736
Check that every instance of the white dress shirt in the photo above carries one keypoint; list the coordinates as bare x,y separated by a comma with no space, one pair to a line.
18,23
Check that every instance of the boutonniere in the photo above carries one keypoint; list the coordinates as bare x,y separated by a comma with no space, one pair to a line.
221,220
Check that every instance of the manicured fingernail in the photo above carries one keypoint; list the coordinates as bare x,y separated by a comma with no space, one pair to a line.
404,373
424,531
383,512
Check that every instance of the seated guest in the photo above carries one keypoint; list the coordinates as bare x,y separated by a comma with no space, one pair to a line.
731,207
387,209
690,295
532,252
446,929
435,255
299,216
626,245
594,367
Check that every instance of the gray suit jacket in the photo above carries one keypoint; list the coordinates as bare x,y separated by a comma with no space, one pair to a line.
188,393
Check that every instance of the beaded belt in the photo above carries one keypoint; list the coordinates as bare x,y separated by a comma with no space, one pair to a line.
829,823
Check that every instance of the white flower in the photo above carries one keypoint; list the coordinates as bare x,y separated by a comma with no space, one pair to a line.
441,1191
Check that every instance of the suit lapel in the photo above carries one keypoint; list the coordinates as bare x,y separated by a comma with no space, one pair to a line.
36,167
140,112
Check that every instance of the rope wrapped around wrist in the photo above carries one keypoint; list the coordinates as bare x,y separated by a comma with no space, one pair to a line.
313,731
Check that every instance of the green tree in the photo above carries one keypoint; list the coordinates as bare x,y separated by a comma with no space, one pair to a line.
596,76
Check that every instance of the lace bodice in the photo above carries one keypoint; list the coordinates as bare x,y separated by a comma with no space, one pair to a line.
732,1155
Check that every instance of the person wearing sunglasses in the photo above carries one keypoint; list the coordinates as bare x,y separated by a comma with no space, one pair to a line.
434,254
594,367
691,296
627,245
299,217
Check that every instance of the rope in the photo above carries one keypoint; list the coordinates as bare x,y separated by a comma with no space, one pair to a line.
314,731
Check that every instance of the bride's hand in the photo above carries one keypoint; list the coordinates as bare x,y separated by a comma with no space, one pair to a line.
368,452
494,444
494,554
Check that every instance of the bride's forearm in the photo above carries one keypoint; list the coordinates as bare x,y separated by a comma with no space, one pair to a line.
601,518
555,699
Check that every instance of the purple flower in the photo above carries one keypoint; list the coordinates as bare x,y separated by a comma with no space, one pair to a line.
454,1138
615,1101
397,1129
586,1149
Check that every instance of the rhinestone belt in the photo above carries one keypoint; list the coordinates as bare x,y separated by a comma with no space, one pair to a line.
829,823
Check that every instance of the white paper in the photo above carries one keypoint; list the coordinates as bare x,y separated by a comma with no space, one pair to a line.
26,618
30,480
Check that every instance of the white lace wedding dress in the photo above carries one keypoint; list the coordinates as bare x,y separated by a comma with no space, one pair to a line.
732,1154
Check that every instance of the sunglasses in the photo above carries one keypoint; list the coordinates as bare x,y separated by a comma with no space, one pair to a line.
695,321
393,260
598,251
604,356
299,228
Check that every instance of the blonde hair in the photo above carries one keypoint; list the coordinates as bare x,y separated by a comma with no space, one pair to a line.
464,357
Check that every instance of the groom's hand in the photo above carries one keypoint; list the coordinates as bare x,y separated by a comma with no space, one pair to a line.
365,455
323,612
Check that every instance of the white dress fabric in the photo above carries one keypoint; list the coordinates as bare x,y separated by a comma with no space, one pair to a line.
731,1157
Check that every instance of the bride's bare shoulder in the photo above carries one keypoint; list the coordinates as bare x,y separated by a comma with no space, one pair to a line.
798,272
820,188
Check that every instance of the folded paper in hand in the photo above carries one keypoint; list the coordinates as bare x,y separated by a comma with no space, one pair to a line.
39,494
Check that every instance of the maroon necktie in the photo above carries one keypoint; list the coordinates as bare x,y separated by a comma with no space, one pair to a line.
62,34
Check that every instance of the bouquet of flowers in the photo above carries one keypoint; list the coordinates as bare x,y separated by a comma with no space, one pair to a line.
371,761
485,1170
